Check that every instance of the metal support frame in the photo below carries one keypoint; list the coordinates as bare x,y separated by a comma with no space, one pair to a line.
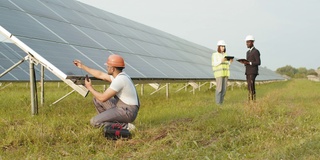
33,84
165,86
154,85
194,86
36,58
212,83
184,87
14,66
5,86
230,84
200,85
157,90
62,98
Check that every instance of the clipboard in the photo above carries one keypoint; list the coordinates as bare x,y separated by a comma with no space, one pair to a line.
242,60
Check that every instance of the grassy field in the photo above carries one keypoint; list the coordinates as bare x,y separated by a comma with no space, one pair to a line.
284,123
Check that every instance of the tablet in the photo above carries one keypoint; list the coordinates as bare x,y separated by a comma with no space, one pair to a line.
229,57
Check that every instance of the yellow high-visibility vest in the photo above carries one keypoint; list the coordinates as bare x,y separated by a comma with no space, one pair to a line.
221,70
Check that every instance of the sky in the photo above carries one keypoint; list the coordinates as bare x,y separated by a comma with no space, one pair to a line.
286,32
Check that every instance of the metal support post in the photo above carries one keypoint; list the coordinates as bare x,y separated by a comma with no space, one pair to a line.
167,90
193,90
42,85
142,89
33,89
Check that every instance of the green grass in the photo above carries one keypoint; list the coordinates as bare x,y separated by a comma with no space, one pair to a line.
282,124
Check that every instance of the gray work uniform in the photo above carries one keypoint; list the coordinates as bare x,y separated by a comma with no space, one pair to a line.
115,110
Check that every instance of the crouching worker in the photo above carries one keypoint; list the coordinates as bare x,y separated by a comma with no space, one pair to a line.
120,102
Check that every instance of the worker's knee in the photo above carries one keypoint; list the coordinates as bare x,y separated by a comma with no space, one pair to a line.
94,122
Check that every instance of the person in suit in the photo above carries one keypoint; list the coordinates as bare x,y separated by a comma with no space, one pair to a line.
252,66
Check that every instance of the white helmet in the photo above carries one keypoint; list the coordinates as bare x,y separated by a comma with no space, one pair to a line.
249,38
221,43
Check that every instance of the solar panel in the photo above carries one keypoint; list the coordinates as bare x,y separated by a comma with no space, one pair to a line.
64,30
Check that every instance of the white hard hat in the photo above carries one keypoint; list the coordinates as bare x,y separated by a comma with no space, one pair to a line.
249,38
221,43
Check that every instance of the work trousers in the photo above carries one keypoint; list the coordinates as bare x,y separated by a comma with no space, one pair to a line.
221,89
251,78
113,111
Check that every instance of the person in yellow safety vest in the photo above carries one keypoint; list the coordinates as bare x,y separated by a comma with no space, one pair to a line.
220,66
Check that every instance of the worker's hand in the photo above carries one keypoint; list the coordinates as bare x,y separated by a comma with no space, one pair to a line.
231,60
77,63
87,83
224,59
246,63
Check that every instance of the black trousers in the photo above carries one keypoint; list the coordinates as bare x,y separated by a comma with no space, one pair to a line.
251,78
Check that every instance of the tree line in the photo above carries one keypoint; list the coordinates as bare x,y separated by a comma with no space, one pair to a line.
292,72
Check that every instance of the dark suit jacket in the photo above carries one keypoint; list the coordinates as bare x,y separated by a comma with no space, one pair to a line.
253,56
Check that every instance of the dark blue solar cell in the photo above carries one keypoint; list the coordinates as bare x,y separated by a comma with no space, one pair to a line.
61,31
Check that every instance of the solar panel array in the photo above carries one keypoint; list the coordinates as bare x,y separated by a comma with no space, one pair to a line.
64,30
